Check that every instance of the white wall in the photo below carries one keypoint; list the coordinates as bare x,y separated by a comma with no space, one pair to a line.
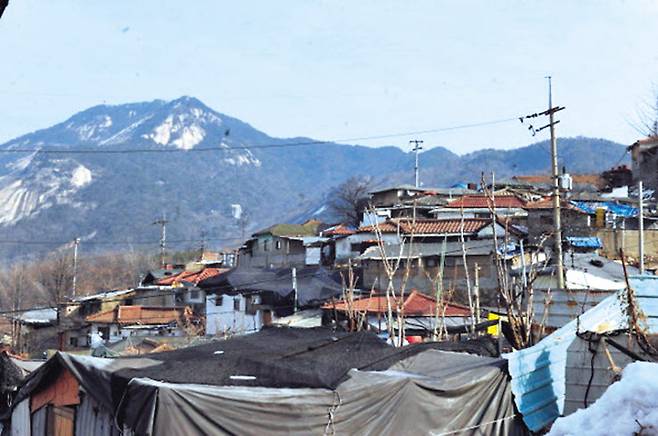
344,245
224,319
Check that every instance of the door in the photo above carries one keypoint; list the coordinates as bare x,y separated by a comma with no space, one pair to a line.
61,421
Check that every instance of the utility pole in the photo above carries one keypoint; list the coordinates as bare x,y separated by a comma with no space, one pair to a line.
162,222
417,147
294,287
641,226
76,243
557,224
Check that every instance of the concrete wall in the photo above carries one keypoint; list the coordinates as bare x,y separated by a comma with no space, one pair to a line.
540,222
272,251
455,277
613,240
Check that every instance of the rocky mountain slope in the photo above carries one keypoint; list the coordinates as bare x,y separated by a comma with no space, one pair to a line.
185,161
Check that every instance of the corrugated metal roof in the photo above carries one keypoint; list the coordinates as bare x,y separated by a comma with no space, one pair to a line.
556,308
538,373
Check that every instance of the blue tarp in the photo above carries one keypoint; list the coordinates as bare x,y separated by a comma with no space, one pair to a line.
584,242
621,210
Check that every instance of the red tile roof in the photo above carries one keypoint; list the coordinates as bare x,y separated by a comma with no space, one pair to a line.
430,226
130,315
483,202
415,304
193,277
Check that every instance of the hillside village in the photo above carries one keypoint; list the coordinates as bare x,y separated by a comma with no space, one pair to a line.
331,218
465,275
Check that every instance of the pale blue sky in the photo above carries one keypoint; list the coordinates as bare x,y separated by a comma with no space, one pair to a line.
337,69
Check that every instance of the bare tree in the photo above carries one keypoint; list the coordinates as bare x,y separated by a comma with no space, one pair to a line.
350,199
15,292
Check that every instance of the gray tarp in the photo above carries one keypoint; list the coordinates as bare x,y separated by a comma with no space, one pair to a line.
433,392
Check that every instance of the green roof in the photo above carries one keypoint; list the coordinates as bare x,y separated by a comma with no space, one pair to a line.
309,228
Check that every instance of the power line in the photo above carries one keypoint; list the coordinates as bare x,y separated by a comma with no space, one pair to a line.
256,146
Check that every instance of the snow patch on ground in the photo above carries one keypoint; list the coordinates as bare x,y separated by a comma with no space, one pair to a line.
81,176
190,137
627,407
240,159
92,130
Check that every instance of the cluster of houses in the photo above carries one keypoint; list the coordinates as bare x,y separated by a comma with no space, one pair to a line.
425,264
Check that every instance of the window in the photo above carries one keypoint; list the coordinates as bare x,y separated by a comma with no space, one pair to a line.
219,300
277,244
430,262
104,332
194,295
236,304
266,246
73,342
250,308
355,248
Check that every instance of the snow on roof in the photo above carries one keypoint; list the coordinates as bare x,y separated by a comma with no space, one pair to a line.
38,316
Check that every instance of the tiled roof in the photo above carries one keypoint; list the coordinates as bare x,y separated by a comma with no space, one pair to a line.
430,226
483,202
547,203
130,315
339,230
415,304
193,277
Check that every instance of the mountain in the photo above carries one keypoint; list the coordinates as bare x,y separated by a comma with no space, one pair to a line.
182,160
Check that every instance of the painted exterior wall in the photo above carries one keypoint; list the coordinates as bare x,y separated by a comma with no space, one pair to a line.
344,247
645,164
230,315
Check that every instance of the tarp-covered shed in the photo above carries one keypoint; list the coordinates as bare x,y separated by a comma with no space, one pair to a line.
278,381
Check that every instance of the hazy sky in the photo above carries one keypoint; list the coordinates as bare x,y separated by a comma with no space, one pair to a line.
338,69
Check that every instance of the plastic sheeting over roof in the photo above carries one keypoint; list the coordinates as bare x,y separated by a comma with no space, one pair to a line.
539,372
584,241
622,210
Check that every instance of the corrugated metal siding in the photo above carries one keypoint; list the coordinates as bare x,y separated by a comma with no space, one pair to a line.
539,372
646,291
93,419
579,370
39,421
20,419
564,305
